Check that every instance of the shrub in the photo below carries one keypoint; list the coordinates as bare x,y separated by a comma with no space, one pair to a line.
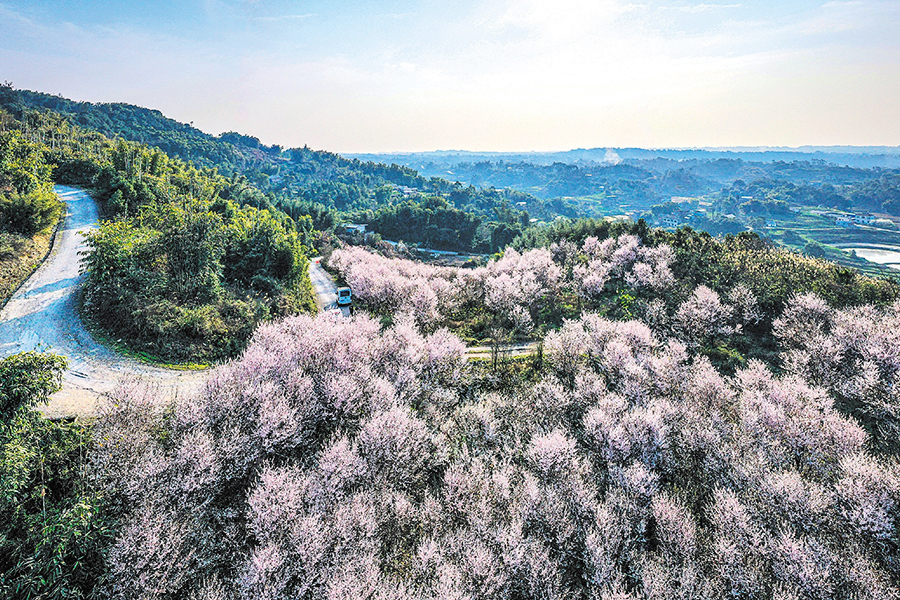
53,528
29,213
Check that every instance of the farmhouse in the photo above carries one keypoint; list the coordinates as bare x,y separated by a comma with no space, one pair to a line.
355,228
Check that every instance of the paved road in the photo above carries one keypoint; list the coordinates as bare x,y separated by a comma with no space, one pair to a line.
41,315
505,350
323,285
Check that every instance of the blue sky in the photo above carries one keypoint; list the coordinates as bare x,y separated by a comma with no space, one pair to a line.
490,75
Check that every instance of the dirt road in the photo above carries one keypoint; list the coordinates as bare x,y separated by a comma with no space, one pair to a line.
41,316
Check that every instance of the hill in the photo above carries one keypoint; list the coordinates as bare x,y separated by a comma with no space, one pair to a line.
302,181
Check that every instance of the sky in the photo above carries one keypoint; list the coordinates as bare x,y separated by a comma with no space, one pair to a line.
491,75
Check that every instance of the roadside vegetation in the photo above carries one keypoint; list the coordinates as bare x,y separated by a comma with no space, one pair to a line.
185,263
184,273
29,210
53,528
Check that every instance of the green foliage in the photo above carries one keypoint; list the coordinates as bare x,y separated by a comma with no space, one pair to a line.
189,281
22,166
773,274
878,190
725,358
300,181
188,262
52,532
27,202
28,378
881,194
261,249
576,231
29,213
75,171
431,222
191,247
814,249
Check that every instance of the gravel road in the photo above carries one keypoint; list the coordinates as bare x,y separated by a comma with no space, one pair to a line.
41,315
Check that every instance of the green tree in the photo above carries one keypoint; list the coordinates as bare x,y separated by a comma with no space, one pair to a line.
22,165
28,378
52,532
194,244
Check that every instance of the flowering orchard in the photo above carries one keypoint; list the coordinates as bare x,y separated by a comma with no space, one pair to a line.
853,353
537,289
515,287
337,459
397,285
511,288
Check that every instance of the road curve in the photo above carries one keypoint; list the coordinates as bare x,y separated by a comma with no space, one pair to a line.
41,316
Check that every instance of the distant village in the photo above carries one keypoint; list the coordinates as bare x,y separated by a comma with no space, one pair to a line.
691,210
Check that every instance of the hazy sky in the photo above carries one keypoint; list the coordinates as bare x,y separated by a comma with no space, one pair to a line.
381,75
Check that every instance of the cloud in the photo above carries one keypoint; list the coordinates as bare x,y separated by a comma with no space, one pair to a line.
488,74
840,17
302,17
701,8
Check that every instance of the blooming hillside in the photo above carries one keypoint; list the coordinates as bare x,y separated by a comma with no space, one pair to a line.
338,459
513,289
525,293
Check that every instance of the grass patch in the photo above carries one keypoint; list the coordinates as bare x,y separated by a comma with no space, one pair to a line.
120,346
20,256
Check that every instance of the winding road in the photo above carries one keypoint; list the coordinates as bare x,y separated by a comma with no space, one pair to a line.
41,316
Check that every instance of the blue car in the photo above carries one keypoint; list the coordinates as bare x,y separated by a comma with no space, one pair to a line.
344,296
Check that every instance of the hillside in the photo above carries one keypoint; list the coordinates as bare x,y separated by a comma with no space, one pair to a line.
302,181
478,202
186,262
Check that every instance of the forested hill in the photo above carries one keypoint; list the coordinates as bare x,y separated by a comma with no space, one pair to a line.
135,123
269,166
394,200
185,263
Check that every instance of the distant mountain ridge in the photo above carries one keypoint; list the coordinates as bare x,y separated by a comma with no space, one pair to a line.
852,156
330,188
499,187
272,168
